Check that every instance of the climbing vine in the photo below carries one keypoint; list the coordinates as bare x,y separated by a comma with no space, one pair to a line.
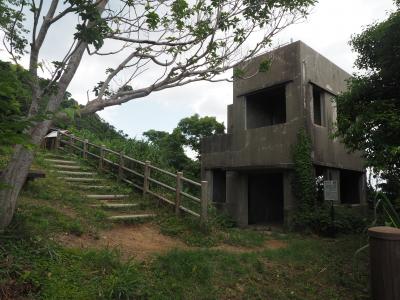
304,187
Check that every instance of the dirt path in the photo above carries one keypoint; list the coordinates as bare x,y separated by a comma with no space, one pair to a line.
143,240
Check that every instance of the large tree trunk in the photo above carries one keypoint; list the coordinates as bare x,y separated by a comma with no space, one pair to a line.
15,174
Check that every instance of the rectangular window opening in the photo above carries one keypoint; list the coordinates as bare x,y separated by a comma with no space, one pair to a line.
318,105
266,108
350,187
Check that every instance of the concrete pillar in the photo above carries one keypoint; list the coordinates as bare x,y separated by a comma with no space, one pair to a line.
362,185
237,197
208,176
289,200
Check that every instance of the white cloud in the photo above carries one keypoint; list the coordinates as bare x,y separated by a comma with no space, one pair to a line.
327,30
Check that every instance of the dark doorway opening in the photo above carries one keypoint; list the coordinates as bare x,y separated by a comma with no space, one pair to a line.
266,108
265,198
219,186
350,187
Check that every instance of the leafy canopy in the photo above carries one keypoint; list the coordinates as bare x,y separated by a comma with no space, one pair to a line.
195,128
369,112
13,93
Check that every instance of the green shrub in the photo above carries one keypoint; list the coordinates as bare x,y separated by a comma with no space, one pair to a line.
346,220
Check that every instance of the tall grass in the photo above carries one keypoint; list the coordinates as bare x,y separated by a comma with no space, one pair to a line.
389,214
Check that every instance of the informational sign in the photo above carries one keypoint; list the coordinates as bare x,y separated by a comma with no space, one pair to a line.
331,190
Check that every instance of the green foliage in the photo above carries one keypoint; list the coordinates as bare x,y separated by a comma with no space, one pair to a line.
369,112
11,23
264,66
45,220
170,147
304,187
388,213
238,73
195,128
318,220
310,214
13,92
216,232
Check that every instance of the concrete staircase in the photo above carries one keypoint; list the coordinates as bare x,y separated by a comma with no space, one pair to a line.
98,191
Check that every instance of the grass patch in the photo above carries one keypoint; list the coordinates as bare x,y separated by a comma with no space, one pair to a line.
215,233
45,220
34,266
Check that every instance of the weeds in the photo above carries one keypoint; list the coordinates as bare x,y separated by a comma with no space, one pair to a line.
33,265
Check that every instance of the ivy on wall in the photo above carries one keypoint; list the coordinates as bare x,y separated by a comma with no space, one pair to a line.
304,186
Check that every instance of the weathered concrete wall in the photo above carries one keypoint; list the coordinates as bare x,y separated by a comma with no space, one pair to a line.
264,146
237,197
299,68
229,126
320,71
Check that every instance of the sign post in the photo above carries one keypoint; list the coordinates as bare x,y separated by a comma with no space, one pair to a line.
331,194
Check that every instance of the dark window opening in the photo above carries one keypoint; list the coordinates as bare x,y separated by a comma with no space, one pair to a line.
219,186
265,198
350,187
318,105
266,108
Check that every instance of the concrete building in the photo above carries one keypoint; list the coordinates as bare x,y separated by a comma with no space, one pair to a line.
250,169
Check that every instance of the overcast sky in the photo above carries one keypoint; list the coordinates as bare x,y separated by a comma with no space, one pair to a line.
328,30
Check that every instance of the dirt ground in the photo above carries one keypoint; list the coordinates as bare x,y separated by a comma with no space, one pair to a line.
144,240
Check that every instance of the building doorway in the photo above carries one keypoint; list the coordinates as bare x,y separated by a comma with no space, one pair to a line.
265,198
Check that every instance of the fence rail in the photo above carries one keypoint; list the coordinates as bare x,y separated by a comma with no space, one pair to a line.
144,177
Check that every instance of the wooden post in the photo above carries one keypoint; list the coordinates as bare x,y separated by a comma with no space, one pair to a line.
146,177
71,142
101,163
121,166
179,176
85,148
384,248
58,137
204,201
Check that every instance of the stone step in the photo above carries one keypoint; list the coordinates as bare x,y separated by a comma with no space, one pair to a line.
131,217
76,173
55,156
115,205
94,187
68,167
61,161
79,179
107,197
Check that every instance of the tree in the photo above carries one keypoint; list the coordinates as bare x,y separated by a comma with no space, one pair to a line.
170,147
369,112
160,45
188,132
195,128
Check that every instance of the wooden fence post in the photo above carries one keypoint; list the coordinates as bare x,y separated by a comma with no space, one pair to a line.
71,143
101,163
121,166
146,177
204,201
85,148
179,176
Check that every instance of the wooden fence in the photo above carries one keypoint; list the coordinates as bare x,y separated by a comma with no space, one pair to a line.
167,187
